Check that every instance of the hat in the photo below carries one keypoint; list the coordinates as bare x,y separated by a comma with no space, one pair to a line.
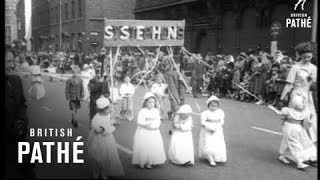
185,109
85,66
212,98
148,95
102,102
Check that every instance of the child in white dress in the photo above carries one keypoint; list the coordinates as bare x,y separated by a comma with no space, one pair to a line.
126,92
148,147
181,149
296,144
102,147
211,142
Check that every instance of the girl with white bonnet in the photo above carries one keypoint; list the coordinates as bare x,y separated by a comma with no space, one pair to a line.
211,142
296,144
181,149
102,147
148,147
36,90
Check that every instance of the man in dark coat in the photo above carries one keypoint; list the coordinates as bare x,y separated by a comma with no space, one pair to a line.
16,125
98,86
176,87
74,93
198,70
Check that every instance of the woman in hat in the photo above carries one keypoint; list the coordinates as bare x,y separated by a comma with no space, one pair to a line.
148,147
102,147
211,142
36,90
300,78
181,149
296,144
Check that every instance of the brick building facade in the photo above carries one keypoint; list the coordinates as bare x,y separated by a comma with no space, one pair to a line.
11,28
82,22
21,22
227,26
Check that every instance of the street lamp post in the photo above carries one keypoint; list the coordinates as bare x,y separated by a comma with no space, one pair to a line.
314,21
60,37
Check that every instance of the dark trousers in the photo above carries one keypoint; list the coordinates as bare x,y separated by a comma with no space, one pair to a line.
93,109
196,86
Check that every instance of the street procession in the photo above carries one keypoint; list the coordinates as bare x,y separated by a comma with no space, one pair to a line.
148,98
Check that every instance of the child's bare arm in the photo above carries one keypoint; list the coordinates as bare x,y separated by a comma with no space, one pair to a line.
275,110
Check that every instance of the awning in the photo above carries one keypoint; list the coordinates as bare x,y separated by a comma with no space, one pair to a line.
66,34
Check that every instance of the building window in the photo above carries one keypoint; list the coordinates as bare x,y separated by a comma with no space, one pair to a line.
66,10
72,10
80,8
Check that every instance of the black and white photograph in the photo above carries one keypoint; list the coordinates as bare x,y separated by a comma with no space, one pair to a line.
161,89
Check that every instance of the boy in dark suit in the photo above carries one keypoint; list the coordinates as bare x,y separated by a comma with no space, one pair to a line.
74,94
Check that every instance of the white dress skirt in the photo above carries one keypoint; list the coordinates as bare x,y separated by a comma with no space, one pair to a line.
296,144
212,143
102,149
37,90
148,144
181,148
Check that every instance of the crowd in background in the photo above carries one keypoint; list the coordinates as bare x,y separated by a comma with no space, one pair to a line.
256,72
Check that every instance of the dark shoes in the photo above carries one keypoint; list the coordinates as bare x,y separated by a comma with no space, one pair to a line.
74,123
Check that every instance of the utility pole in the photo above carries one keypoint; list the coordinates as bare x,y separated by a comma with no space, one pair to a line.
60,37
314,21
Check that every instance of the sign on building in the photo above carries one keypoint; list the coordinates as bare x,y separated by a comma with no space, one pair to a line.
143,33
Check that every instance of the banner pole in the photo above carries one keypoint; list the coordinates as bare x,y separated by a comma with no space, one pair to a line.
111,74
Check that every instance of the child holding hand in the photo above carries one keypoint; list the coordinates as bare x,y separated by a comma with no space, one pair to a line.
181,149
148,147
211,142
102,147
296,144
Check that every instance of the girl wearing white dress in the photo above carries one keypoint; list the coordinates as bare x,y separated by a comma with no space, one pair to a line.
126,92
181,149
102,148
211,142
296,144
36,90
148,147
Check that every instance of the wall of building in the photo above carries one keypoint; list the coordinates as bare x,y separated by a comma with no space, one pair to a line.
21,19
79,19
228,26
11,30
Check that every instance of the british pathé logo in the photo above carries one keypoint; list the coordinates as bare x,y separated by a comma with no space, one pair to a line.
300,2
299,20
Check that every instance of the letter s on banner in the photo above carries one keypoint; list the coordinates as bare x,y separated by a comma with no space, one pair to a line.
108,34
124,32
